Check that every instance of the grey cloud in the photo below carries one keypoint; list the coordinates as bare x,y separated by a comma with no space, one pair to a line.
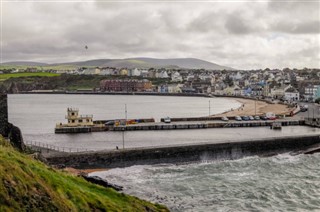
58,32
205,22
310,27
235,24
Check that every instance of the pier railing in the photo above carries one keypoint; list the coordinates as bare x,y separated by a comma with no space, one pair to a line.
44,147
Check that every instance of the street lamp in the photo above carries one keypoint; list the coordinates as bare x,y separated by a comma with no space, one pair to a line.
209,107
255,106
123,138
125,110
125,123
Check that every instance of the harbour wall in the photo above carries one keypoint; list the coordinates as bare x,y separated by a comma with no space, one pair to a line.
183,154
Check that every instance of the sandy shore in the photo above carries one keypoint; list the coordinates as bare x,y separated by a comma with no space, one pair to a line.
82,171
252,107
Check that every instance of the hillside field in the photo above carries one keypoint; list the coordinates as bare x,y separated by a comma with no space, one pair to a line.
27,184
27,74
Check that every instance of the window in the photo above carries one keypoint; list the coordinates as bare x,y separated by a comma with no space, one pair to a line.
72,121
72,114
80,121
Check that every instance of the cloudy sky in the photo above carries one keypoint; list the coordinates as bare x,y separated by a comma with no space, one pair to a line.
240,34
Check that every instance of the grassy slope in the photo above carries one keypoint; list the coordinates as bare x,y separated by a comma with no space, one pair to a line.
40,68
36,74
72,82
28,184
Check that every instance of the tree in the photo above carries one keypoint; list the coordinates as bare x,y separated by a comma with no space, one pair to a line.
318,101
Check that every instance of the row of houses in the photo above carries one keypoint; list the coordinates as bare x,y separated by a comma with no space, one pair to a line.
286,84
125,85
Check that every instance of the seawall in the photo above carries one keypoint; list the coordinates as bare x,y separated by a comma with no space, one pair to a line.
183,154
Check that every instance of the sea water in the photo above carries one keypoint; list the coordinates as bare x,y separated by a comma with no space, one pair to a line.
278,183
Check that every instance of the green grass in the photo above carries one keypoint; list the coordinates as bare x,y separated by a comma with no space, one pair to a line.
27,74
29,185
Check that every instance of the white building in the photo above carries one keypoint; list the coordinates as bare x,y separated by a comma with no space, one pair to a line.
291,94
176,77
310,92
106,71
174,88
163,74
134,72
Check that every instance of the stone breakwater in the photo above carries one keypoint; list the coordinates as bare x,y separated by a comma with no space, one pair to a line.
183,154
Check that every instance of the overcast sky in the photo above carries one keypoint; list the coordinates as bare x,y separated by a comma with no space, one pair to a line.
238,34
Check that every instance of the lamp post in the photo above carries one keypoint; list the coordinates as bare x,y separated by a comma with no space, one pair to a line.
209,108
123,138
255,107
125,109
313,113
125,123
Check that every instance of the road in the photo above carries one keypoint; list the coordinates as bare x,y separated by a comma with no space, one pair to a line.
313,111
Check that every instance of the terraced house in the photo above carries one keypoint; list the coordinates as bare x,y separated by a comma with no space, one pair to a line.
125,85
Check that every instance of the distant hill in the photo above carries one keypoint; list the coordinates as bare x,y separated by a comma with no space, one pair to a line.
139,62
189,63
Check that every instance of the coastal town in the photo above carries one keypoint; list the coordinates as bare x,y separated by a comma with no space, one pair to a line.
287,85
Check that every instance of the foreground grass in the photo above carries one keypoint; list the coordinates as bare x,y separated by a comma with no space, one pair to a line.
28,184
27,74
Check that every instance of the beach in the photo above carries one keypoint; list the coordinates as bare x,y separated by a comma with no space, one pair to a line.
256,107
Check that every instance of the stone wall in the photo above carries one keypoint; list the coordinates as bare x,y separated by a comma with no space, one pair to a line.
4,115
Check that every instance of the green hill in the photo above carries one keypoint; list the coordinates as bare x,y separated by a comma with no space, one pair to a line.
137,62
29,185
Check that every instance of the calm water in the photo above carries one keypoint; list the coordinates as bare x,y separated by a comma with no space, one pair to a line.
37,115
279,183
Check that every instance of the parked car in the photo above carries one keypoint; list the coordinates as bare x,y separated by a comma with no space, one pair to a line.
237,118
263,118
224,118
245,118
108,123
304,108
167,120
257,117
272,118
251,118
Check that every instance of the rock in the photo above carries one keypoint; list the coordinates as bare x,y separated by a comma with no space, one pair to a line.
99,181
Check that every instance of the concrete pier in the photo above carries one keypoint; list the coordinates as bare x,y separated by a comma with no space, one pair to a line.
184,154
208,124
178,125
